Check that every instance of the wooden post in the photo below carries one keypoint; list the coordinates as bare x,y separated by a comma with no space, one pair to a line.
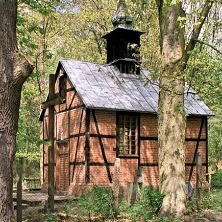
87,147
19,190
198,178
133,188
50,103
51,154
116,185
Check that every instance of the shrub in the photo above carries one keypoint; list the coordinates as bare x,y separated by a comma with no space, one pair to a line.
70,206
98,202
216,180
51,217
146,207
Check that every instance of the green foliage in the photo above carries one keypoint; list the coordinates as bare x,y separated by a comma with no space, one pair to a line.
215,138
51,217
216,180
28,138
212,200
209,201
146,207
70,206
98,202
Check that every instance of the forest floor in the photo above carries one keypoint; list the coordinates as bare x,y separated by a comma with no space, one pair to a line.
35,212
33,215
205,216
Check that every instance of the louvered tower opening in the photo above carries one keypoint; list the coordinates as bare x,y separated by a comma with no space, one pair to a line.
123,42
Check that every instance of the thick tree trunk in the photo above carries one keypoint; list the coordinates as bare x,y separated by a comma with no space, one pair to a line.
14,69
172,145
10,94
171,116
9,101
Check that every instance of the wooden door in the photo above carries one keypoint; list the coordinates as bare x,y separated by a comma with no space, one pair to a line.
63,171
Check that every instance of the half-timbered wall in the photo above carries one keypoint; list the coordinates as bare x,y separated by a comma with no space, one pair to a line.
86,146
196,140
102,146
69,140
149,149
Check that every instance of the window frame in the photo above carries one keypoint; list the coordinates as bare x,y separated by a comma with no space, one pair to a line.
129,136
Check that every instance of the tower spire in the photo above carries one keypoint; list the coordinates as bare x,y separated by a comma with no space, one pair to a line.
122,17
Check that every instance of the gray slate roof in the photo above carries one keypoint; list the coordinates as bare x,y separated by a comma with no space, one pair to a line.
104,87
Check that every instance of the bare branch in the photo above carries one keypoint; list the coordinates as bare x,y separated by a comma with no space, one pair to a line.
159,4
207,44
196,30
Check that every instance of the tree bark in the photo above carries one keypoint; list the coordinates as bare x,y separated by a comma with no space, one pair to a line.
14,69
9,114
171,116
171,134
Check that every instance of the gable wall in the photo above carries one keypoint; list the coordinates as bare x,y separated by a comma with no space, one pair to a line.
69,125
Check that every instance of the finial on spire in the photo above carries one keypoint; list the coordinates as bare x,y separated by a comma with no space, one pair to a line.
122,17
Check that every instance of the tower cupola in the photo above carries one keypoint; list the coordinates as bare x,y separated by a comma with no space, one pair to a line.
122,17
123,42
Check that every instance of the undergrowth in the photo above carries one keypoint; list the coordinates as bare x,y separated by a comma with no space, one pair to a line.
146,207
209,201
99,202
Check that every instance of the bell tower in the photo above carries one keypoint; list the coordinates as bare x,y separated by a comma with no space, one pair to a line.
123,42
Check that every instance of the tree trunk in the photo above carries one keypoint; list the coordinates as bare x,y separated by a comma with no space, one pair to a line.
9,114
9,110
171,116
171,136
14,69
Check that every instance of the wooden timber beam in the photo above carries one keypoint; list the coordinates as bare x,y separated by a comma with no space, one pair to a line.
51,151
156,164
139,141
102,147
187,139
70,105
87,147
207,170
52,101
103,136
196,148
77,145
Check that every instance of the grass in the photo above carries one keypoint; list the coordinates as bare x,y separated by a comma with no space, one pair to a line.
212,200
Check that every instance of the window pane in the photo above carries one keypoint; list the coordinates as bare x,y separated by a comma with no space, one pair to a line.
127,134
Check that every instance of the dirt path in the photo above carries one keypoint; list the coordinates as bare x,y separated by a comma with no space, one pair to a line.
205,216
